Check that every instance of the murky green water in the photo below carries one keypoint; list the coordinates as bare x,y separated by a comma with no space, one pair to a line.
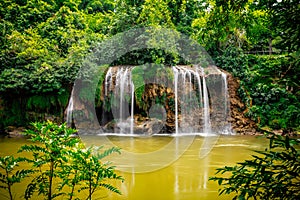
164,168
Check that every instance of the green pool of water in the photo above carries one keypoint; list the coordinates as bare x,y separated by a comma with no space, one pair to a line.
163,168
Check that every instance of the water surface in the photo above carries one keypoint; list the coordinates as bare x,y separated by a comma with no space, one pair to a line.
164,177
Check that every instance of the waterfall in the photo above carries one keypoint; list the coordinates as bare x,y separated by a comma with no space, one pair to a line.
197,102
176,98
108,81
199,86
123,82
224,77
69,110
206,109
118,82
226,95
186,98
186,82
227,127
132,109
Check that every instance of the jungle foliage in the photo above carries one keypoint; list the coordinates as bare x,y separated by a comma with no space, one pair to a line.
43,44
269,86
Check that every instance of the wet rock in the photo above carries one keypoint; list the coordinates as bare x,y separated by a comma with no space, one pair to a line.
240,123
13,131
150,127
110,127
142,126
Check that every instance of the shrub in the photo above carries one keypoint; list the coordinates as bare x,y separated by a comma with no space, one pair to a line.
10,175
58,157
272,174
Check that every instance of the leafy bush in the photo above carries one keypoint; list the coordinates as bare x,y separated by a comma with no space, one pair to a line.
234,61
86,172
268,86
271,174
58,157
10,175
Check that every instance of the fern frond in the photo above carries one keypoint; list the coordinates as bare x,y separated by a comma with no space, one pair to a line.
108,152
110,187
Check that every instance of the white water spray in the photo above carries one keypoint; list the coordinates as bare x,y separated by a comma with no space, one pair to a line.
206,109
176,98
132,109
70,109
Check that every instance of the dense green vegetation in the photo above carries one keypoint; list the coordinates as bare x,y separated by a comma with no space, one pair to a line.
43,44
60,166
269,87
270,174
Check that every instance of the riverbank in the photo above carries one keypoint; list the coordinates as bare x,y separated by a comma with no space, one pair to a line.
16,132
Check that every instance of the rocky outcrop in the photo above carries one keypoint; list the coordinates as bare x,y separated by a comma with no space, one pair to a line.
165,96
155,107
240,124
142,126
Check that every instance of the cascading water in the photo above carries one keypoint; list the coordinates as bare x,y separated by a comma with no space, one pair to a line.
176,98
122,91
188,80
200,101
198,79
69,110
108,81
132,109
227,127
206,109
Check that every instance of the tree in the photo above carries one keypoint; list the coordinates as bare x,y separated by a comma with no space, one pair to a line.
60,157
222,24
285,20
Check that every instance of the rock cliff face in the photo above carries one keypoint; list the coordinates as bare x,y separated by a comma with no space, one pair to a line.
155,111
240,124
156,106
156,92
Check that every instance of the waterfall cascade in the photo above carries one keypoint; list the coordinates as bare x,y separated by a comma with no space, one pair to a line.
119,83
69,111
196,102
206,109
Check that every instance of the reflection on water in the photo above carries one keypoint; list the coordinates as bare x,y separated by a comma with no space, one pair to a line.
179,172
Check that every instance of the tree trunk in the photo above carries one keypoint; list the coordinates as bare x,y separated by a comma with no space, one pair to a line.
50,180
270,45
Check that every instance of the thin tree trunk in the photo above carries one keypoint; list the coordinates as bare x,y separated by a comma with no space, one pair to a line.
270,46
9,191
50,181
8,185
73,186
90,191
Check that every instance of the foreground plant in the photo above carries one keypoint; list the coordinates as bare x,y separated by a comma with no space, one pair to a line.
9,175
272,174
87,173
58,157
47,156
